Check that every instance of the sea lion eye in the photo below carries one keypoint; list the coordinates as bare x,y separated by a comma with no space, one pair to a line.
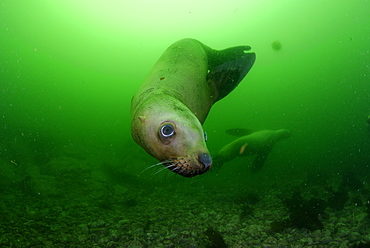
167,131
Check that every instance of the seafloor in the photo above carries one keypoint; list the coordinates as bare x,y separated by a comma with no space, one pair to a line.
77,201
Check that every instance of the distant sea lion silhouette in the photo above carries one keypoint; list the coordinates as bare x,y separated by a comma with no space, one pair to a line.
173,101
259,143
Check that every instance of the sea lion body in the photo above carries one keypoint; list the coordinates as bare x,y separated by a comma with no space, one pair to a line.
176,75
258,143
173,101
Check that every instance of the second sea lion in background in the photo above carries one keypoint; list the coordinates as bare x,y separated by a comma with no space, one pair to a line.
258,143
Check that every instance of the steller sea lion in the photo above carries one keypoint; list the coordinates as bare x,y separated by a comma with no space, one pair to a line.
258,143
173,101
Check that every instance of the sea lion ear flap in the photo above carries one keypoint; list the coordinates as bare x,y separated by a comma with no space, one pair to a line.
228,67
142,118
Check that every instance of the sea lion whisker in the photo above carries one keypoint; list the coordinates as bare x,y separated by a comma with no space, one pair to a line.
175,169
148,168
160,170
170,166
154,165
180,169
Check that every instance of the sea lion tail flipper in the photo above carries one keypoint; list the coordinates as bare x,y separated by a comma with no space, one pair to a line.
259,161
228,68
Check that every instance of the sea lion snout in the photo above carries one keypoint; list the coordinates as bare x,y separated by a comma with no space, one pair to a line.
206,160
190,166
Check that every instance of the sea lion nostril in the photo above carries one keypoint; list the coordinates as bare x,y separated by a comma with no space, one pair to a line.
205,159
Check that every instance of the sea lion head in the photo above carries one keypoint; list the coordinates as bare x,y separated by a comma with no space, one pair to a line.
175,137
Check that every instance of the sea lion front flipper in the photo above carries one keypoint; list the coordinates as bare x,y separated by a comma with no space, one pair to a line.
228,68
259,161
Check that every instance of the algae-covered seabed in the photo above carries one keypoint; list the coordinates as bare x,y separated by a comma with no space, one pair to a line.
70,175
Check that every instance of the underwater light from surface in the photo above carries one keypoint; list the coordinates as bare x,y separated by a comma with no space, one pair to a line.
157,16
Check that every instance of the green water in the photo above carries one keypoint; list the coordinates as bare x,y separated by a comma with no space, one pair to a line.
68,70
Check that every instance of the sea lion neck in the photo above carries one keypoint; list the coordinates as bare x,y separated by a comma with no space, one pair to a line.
173,99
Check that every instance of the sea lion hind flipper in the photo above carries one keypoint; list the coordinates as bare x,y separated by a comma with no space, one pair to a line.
228,67
259,161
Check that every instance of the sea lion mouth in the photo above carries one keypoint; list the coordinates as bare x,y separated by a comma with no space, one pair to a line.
189,168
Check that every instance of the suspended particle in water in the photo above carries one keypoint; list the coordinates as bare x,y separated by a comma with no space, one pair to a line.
276,45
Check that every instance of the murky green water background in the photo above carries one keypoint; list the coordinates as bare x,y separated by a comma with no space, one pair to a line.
68,70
